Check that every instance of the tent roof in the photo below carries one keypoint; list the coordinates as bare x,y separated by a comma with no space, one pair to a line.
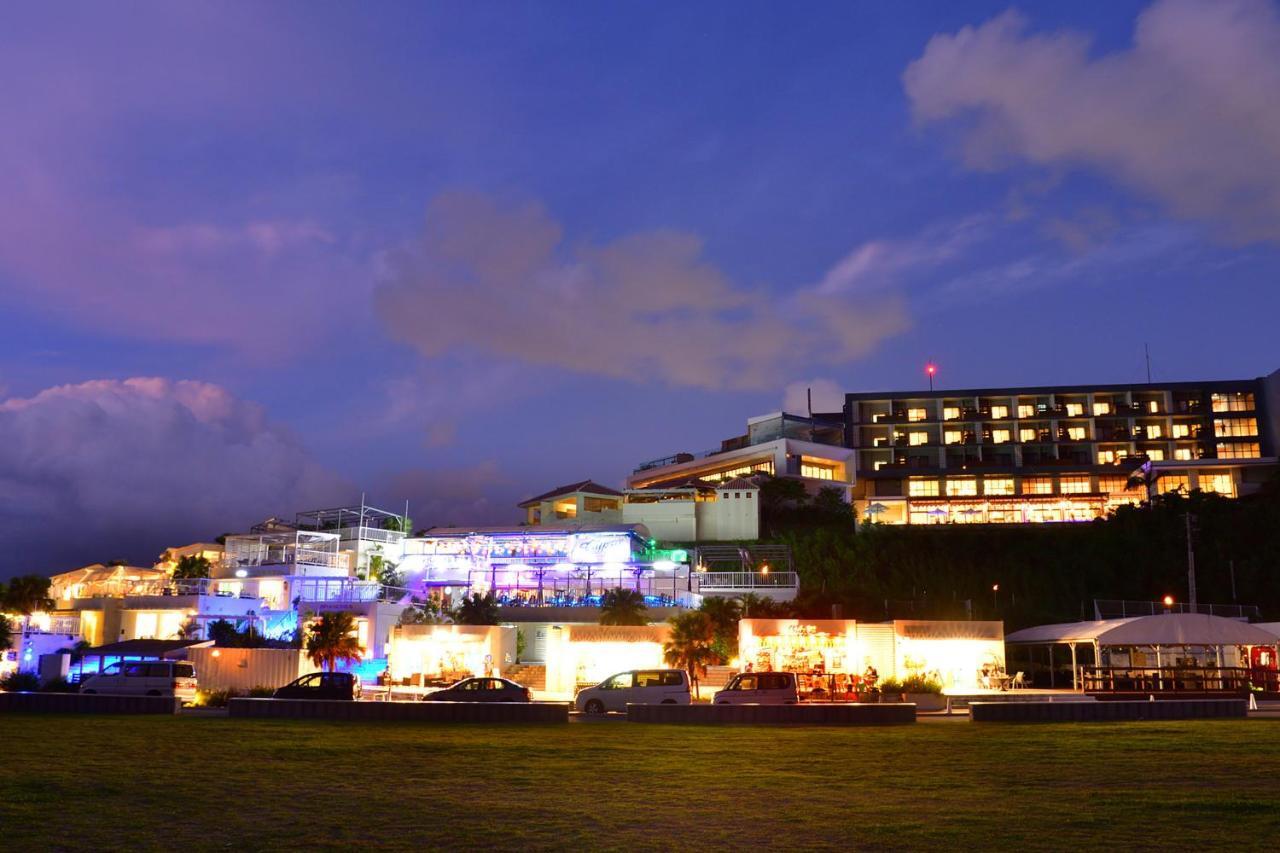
1168,629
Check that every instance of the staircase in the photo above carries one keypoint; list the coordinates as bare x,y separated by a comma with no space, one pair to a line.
533,676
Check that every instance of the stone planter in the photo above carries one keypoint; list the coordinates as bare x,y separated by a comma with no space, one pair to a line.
926,701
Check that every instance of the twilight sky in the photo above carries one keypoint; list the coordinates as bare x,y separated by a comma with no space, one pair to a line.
260,257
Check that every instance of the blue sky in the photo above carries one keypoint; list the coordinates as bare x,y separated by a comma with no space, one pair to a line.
460,254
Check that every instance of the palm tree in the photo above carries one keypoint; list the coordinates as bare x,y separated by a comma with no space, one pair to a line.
28,594
757,606
6,633
331,639
192,566
623,607
724,614
691,645
477,609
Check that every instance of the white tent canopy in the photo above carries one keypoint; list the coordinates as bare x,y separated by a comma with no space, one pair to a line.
1168,629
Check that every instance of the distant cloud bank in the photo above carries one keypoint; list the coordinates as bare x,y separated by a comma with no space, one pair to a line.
1187,115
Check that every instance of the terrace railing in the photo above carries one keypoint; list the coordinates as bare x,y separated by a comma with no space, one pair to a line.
720,581
1121,609
1180,679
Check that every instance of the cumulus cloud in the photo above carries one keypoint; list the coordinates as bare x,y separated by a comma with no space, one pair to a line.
503,280
109,469
1186,115
828,396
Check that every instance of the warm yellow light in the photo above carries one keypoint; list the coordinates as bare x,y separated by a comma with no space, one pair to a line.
1168,601
764,570
995,587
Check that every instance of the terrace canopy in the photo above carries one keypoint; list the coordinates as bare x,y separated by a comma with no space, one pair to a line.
1157,632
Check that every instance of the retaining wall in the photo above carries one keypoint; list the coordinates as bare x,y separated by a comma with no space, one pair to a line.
802,715
1083,712
87,703
418,712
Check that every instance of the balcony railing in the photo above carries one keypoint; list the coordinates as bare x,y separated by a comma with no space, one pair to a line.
1120,609
745,580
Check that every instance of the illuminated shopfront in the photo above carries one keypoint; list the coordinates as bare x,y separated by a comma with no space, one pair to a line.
953,653
582,655
421,653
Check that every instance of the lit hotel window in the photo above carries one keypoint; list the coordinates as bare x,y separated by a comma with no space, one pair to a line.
916,414
1173,482
1106,457
919,438
951,413
1154,431
1242,450
1182,454
999,412
962,487
1101,409
1236,402
1075,433
1026,434
1000,436
1075,410
1233,427
1181,430
1073,485
997,486
1026,411
922,488
953,436
1037,485
816,472
1107,485
1219,483
1154,407
1155,454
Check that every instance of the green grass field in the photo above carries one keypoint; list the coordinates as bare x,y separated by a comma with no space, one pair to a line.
215,783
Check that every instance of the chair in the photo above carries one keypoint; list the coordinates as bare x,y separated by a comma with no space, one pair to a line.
1019,681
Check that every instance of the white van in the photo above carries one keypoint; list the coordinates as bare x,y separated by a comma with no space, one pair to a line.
759,688
637,687
145,678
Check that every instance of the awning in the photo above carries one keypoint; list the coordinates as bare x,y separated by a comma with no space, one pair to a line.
1168,629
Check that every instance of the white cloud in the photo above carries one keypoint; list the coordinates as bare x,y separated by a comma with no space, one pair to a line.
886,262
503,282
110,469
1187,115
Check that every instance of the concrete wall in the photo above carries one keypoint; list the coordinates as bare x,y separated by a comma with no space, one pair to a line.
87,703
244,669
415,712
733,515
668,521
802,715
1084,712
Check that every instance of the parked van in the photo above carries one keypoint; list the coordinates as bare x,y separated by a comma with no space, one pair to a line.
637,687
145,678
759,688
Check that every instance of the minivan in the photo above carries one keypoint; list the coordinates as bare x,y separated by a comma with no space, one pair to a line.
637,687
145,678
759,688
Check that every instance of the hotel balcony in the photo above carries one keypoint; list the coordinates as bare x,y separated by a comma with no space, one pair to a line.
293,552
779,586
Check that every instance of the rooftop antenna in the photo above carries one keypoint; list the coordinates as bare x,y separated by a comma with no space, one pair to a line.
931,369
809,393
1147,350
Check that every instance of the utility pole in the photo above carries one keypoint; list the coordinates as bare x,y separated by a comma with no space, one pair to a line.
1191,564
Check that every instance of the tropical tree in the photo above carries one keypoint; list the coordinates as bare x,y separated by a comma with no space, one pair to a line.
332,638
623,607
28,594
691,645
427,612
752,606
192,566
724,614
6,632
477,609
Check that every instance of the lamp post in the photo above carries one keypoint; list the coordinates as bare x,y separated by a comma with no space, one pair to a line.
995,589
930,369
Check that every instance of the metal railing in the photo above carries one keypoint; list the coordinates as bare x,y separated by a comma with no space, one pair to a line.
1181,679
745,580
1122,609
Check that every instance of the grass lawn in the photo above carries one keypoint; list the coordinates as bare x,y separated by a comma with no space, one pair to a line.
214,783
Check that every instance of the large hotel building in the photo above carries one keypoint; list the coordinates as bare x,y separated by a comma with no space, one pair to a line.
1010,455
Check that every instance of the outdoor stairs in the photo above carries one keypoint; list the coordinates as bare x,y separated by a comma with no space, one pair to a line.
533,676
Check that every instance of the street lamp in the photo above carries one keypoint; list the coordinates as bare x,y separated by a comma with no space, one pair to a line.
931,369
995,588
1168,603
